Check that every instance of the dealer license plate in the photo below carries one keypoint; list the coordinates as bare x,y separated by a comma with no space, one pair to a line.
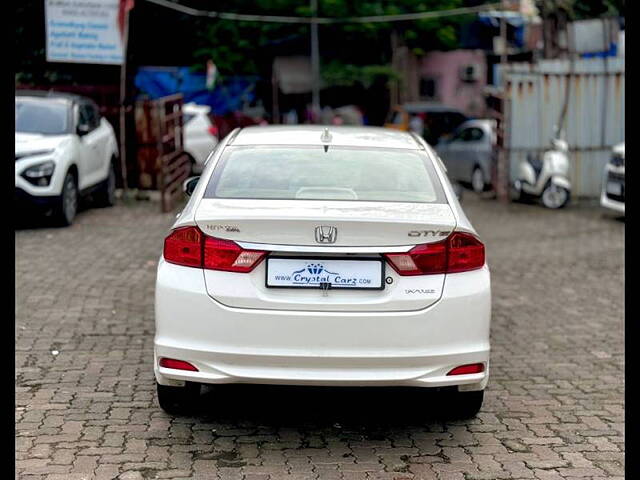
614,188
325,273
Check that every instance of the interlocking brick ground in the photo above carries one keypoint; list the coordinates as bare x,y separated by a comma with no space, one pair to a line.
554,408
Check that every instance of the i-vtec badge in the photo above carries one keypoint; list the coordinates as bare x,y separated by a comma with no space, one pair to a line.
429,233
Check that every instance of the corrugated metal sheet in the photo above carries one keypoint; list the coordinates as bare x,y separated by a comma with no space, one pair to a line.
595,115
594,35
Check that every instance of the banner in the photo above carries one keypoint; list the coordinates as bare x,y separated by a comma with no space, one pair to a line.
85,31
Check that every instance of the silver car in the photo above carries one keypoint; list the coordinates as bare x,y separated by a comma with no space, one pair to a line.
469,154
613,185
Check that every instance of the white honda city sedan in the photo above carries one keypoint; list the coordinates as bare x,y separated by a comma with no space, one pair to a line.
322,256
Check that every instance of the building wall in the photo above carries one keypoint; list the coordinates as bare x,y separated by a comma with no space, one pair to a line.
450,89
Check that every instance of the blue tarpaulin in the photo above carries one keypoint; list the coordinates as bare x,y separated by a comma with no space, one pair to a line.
517,21
227,96
612,52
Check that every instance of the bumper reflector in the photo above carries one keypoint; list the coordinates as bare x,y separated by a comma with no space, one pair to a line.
177,364
467,369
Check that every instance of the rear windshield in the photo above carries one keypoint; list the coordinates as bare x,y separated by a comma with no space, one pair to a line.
310,173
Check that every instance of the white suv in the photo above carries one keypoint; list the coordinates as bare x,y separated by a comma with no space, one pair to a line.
64,149
312,256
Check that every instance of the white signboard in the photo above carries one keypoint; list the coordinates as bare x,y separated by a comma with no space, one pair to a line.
83,31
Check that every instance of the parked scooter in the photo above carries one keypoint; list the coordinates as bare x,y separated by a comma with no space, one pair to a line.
546,178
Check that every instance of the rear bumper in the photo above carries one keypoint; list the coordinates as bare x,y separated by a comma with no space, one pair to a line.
239,345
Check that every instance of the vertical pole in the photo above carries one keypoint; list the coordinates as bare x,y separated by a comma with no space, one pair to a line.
503,36
275,109
605,90
502,187
315,64
123,96
394,96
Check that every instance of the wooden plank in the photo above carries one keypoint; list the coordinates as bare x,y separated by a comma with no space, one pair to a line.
171,156
174,174
174,116
176,177
169,169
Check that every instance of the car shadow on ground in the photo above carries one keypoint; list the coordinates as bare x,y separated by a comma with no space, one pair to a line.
29,220
322,407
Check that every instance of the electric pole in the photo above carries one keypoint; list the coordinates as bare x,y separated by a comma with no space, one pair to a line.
315,64
503,180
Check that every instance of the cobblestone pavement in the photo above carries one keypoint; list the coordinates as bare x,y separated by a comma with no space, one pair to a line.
554,408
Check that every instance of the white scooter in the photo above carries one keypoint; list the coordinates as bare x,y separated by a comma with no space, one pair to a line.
546,178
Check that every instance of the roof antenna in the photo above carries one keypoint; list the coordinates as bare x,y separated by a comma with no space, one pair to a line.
325,138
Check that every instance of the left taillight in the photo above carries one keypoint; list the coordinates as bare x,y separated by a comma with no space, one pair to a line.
189,247
183,246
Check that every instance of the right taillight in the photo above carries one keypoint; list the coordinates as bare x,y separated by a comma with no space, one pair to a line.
460,252
189,247
465,252
467,369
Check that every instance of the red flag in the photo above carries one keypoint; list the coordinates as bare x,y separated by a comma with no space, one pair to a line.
123,9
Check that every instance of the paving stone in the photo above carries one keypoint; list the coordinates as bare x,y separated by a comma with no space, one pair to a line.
554,408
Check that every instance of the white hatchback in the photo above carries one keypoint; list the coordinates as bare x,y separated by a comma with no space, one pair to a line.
200,135
322,256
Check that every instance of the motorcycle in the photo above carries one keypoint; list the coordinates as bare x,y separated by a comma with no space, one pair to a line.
546,178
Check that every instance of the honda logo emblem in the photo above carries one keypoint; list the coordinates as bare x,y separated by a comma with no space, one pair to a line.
326,234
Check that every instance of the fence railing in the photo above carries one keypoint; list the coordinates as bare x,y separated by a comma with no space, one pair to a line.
162,161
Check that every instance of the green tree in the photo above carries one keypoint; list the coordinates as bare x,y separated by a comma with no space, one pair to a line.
582,9
236,47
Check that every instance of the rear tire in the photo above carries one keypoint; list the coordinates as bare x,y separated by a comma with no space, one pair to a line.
67,207
477,180
106,197
464,405
178,400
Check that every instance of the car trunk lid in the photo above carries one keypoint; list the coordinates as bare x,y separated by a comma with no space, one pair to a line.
294,222
287,228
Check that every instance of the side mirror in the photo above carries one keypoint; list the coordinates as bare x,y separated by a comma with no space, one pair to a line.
189,185
82,129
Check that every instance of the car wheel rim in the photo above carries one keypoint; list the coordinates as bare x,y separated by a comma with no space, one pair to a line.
554,197
70,199
477,182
